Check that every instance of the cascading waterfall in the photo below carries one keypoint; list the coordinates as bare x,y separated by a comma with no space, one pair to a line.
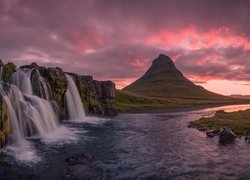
21,78
74,103
45,89
30,115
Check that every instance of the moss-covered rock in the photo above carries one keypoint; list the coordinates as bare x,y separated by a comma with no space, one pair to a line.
8,69
4,123
58,83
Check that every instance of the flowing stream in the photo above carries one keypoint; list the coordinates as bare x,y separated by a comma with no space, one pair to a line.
135,146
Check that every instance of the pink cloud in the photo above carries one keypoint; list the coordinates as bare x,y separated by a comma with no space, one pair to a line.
191,38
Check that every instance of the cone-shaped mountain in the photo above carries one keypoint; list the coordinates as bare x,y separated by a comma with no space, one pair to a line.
164,80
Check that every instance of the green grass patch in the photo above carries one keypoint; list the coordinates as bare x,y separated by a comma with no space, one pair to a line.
238,121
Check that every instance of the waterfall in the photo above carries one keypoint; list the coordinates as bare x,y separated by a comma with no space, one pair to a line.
74,103
45,89
30,115
21,78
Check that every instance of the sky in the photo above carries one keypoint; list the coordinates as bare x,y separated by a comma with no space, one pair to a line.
209,41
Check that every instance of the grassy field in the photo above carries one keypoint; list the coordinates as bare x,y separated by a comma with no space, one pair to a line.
127,101
238,121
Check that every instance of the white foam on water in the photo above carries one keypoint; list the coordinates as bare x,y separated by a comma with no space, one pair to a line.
62,135
90,120
24,154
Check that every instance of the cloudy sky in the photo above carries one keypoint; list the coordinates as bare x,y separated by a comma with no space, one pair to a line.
118,39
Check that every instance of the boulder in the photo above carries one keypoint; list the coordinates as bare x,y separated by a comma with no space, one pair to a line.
226,135
247,138
210,133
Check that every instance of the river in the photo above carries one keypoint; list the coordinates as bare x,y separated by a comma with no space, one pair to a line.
133,146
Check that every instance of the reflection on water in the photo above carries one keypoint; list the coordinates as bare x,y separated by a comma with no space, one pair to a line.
148,146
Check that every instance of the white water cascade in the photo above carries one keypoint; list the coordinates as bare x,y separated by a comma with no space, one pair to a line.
45,89
21,78
30,115
74,103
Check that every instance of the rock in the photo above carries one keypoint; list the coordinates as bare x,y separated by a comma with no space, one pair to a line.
226,135
31,66
220,112
210,133
190,125
247,138
58,83
81,166
4,120
8,69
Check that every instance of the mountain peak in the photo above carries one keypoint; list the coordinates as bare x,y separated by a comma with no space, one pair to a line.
164,80
162,64
163,59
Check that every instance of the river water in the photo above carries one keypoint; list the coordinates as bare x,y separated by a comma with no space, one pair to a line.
133,146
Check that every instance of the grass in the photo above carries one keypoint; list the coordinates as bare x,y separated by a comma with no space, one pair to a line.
238,121
127,101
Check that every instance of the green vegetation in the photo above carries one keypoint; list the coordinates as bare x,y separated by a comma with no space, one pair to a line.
127,101
8,69
238,121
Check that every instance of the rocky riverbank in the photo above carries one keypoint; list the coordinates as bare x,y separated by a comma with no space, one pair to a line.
233,123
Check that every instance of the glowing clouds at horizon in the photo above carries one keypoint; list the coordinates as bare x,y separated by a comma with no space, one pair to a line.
227,87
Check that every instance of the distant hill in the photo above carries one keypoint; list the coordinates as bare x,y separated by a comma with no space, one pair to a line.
164,80
240,96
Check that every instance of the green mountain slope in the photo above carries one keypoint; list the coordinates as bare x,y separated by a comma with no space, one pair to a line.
164,80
